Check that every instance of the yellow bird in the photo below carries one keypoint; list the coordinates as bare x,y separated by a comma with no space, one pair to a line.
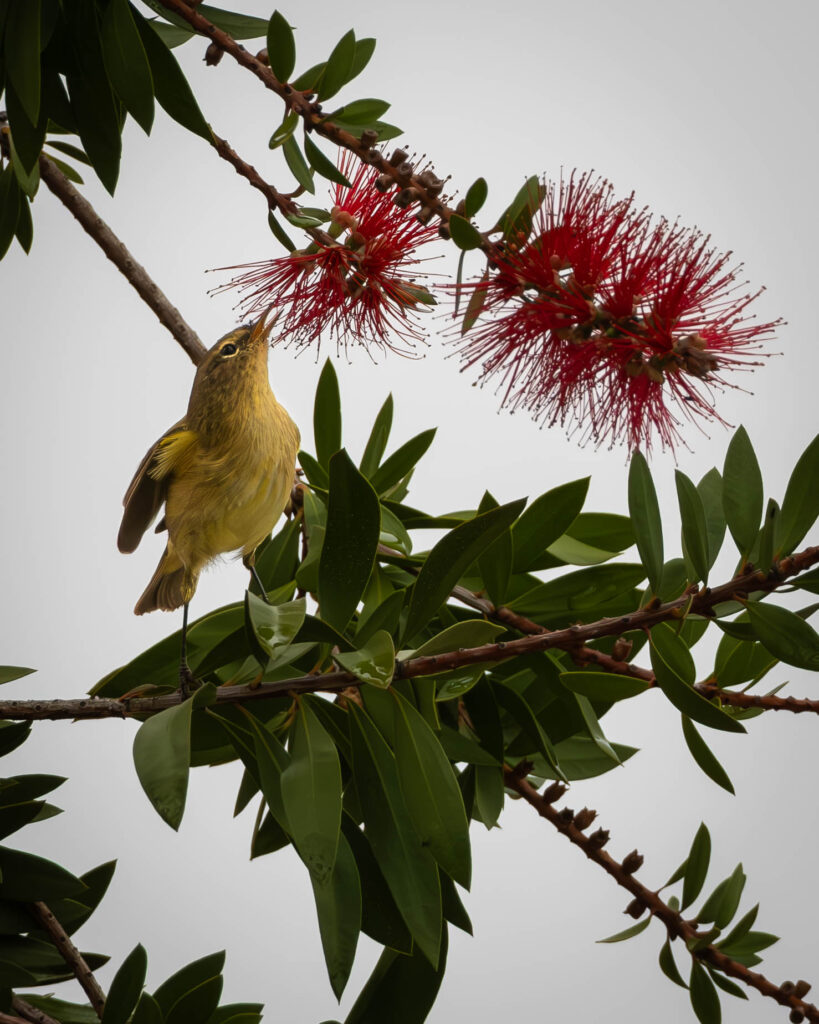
224,473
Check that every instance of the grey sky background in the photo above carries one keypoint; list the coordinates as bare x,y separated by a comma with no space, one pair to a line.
707,111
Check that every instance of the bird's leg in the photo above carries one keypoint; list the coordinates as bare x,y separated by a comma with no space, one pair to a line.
249,562
187,680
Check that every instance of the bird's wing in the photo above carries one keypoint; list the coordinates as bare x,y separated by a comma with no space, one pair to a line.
147,490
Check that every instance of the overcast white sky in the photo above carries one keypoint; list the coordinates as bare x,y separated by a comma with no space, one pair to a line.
707,110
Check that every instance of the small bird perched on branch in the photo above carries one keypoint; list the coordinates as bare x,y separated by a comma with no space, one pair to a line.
224,473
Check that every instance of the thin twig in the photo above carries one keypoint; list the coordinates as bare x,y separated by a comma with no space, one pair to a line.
275,200
566,822
147,289
72,956
768,702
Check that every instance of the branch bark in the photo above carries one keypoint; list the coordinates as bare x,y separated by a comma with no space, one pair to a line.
147,289
72,956
566,822
30,1013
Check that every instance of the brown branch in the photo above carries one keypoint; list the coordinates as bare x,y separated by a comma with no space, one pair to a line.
275,200
30,1013
768,702
6,1018
72,956
313,117
571,639
571,825
150,293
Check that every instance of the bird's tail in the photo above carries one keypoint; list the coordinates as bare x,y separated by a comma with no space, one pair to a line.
170,586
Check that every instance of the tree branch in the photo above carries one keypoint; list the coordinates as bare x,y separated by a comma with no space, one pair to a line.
29,1013
71,955
315,120
150,293
571,639
768,702
571,826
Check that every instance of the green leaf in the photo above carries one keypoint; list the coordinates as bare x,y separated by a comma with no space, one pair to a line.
578,592
593,728
162,757
704,756
364,49
188,978
603,530
580,758
380,918
431,793
9,207
25,141
327,415
518,707
742,491
669,966
68,171
24,231
348,552
645,517
299,168
545,520
401,989
603,686
745,949
25,877
495,561
338,70
785,634
628,933
674,669
322,164
22,54
290,123
377,441
171,35
464,235
711,495
468,633
338,905
65,1012
722,904
8,673
740,929
726,984
281,47
126,987
374,662
477,300
475,197
272,761
407,865
696,866
704,997
694,528
271,628
449,559
147,1011
360,113
279,233
311,793
171,87
308,80
127,63
518,215
800,506
402,460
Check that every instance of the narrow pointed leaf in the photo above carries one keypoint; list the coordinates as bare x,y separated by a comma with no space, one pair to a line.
281,47
449,559
800,506
403,459
171,87
704,756
327,415
545,520
311,793
127,63
704,998
603,686
696,866
742,494
348,552
22,54
126,987
668,965
407,865
377,441
628,933
8,673
694,528
645,517
299,168
786,635
431,793
338,905
322,164
338,70
475,197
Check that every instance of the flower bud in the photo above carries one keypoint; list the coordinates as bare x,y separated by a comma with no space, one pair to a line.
567,815
553,792
584,818
632,862
405,198
801,989
635,908
213,55
369,137
599,838
398,157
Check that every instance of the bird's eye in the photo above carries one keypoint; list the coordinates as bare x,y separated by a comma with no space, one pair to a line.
228,350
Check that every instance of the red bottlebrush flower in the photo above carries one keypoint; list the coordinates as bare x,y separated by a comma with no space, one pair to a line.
351,283
603,321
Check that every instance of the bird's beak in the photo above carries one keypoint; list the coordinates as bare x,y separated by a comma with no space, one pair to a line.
264,325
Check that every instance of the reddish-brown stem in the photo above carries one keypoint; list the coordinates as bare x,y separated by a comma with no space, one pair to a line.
150,293
72,956
768,702
676,925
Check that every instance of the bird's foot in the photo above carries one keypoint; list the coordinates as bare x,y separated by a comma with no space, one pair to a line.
187,682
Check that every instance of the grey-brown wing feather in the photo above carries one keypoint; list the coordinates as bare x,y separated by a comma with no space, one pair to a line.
144,497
